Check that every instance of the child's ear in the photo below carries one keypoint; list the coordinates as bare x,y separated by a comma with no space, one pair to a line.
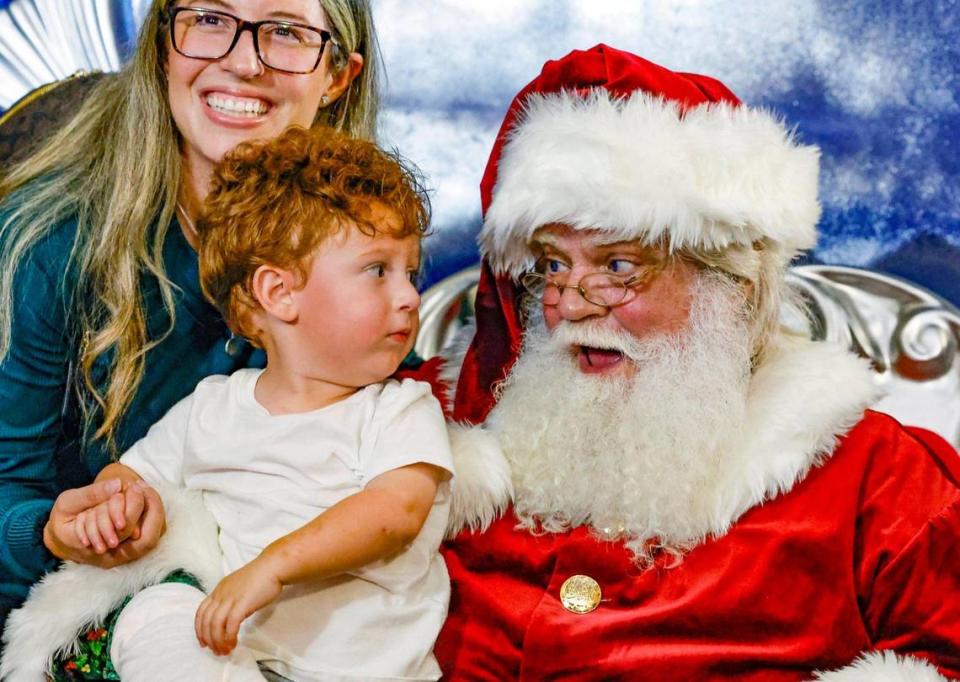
273,288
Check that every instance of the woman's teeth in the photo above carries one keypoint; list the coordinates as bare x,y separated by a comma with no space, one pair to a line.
237,107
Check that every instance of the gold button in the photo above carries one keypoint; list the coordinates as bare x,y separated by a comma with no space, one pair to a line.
580,594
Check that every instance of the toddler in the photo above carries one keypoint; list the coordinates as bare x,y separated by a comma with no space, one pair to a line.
329,481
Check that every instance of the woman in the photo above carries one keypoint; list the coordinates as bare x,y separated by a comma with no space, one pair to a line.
102,323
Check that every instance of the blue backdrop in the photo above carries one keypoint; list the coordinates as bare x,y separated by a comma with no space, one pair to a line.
873,83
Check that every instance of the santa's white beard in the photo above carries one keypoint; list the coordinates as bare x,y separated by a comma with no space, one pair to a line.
638,458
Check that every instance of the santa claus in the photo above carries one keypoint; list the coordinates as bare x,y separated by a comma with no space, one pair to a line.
695,493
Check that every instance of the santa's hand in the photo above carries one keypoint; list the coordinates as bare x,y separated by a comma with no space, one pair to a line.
236,598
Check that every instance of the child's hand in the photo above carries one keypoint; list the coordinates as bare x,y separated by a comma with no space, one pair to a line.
235,599
106,525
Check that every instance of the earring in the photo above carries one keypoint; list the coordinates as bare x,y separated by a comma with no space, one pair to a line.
324,100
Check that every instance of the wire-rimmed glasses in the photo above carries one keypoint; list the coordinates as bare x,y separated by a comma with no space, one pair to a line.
605,289
281,45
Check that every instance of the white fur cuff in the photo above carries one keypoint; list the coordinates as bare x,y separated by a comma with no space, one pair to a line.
884,666
482,488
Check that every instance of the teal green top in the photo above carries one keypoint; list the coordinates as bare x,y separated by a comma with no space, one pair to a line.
41,453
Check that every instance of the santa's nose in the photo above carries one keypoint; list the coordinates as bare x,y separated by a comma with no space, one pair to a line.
573,306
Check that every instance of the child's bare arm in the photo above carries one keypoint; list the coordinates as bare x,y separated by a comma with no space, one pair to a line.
373,524
376,523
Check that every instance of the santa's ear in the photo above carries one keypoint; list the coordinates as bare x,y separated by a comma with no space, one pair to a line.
273,287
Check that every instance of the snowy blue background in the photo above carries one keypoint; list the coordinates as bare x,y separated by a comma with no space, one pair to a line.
873,83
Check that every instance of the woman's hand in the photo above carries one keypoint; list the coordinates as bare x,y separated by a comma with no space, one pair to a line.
126,525
235,598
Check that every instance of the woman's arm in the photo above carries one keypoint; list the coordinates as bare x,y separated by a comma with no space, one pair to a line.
36,517
375,523
33,377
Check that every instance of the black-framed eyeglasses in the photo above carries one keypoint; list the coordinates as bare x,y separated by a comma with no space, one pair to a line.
599,288
281,45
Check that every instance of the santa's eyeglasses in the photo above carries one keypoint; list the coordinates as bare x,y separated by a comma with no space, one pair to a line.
599,288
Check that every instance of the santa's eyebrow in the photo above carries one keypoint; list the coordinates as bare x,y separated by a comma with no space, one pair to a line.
612,242
623,247
593,240
545,239
603,245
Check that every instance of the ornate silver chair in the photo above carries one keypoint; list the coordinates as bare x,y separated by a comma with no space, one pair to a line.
909,334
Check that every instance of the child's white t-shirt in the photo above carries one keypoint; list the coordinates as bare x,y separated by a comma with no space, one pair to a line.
264,476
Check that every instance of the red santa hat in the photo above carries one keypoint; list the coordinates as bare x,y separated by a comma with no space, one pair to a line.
603,139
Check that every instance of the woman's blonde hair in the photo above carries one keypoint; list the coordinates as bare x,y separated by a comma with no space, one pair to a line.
116,168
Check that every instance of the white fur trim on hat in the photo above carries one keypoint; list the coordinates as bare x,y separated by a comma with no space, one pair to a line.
638,168
482,487
76,597
884,666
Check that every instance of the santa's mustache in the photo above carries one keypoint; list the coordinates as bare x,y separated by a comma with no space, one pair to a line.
568,338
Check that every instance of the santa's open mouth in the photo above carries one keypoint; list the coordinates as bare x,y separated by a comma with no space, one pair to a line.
598,359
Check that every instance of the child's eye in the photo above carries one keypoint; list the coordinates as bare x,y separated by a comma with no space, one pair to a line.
412,276
377,270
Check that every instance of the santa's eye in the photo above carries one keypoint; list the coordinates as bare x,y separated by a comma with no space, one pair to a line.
621,266
552,266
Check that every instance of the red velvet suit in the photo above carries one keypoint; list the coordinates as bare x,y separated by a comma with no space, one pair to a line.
862,554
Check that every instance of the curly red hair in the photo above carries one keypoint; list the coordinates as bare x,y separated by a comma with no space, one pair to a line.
275,202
